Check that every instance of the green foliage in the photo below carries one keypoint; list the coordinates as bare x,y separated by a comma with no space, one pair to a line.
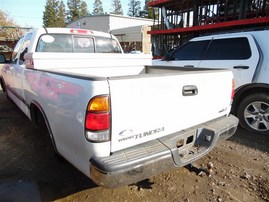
54,14
61,15
98,8
84,10
134,8
149,12
116,7
76,10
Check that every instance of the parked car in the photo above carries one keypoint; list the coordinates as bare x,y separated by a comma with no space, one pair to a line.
247,55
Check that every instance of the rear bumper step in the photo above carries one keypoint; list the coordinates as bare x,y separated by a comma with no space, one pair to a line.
176,150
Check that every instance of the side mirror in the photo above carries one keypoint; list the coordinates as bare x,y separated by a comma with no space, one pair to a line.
23,53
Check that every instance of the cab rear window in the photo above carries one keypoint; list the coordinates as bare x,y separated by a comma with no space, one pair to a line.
67,43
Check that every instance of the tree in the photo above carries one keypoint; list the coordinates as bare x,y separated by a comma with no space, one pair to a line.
8,24
84,9
116,7
134,8
5,20
98,7
149,12
76,9
49,14
61,19
54,14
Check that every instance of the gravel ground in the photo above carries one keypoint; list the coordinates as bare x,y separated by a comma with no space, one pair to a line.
236,170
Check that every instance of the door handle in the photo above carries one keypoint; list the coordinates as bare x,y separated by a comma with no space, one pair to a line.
189,90
241,67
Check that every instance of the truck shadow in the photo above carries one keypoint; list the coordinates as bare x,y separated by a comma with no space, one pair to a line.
250,139
28,164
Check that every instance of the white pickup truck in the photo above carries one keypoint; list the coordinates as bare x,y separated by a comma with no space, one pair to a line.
246,54
114,116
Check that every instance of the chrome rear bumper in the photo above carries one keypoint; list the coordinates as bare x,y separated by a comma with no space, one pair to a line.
176,150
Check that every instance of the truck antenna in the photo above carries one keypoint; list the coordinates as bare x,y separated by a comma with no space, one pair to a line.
45,29
109,31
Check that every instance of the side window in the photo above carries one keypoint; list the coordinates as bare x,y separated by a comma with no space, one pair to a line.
107,45
15,54
190,51
55,43
228,49
24,48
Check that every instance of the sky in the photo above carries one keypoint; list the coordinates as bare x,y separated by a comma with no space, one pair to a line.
29,13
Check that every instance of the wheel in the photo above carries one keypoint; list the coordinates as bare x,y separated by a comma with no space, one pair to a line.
253,113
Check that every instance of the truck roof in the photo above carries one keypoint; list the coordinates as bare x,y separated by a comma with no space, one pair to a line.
228,34
54,30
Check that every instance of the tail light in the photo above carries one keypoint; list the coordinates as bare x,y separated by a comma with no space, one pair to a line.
97,121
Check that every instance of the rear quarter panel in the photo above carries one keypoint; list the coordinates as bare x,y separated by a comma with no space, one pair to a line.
64,101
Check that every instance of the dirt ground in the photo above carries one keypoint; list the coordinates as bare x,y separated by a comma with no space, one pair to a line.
29,171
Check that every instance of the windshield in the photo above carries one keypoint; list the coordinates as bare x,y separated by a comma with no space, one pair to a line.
67,43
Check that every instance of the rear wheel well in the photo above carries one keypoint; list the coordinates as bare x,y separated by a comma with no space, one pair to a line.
40,120
247,90
251,105
36,116
2,83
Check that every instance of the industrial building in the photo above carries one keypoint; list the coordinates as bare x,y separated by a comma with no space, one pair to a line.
132,32
177,21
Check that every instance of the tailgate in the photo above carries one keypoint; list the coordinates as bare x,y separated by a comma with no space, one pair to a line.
153,106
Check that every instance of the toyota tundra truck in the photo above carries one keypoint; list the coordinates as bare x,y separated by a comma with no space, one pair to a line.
114,116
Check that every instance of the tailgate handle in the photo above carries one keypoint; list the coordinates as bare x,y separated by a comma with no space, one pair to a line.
241,67
188,66
189,90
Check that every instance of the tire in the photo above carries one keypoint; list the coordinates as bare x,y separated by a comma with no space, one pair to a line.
253,113
44,130
2,82
8,98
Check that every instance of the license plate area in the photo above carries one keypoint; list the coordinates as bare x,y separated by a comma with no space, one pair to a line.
185,142
188,147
